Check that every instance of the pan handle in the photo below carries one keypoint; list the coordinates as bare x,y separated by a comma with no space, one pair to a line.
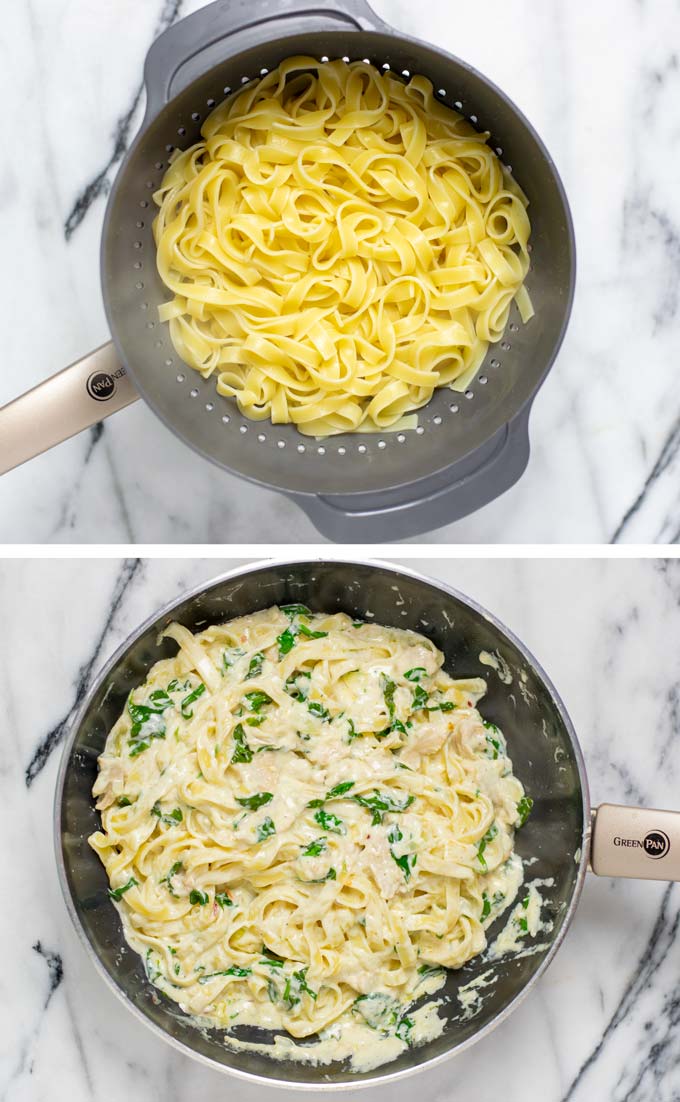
431,503
172,62
77,397
638,842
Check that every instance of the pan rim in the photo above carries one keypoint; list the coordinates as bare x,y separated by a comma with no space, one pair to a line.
202,588
289,484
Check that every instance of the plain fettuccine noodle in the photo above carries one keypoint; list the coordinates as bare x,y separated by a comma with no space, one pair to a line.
338,245
304,821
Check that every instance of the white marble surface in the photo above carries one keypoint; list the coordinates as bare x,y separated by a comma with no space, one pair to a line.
602,1024
601,81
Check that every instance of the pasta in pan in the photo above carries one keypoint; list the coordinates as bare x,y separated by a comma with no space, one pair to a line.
338,245
304,822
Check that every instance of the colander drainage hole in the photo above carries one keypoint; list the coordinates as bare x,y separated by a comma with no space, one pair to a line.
243,429
381,445
194,393
483,380
209,407
473,118
195,116
261,437
139,224
143,203
137,265
342,451
181,130
436,420
514,328
495,363
168,363
458,104
469,394
420,430
321,451
143,306
401,438
362,449
139,285
180,378
210,102
282,444
506,346
225,419
454,409
301,448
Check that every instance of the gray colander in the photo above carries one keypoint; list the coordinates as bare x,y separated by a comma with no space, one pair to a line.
468,448
546,757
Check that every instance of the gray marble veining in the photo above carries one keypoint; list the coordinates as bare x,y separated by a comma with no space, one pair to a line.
601,82
602,1024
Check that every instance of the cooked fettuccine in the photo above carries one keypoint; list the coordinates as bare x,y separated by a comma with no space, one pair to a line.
305,820
338,245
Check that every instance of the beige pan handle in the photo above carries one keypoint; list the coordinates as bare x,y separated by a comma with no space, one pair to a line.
79,396
638,842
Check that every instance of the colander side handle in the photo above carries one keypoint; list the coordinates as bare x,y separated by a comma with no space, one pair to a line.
638,842
63,405
181,43
501,467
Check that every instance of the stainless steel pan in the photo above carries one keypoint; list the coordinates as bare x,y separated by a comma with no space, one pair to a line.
468,449
562,834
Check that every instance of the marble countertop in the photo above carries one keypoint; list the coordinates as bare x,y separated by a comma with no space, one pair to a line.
601,82
603,1021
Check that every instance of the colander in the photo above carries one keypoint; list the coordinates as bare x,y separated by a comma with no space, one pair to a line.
558,837
468,448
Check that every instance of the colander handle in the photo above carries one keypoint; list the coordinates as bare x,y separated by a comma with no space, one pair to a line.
637,842
174,59
431,503
77,397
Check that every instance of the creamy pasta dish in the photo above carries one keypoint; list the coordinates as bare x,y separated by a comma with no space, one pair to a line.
338,245
304,822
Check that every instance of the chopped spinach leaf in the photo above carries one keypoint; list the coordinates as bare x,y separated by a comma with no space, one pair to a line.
124,801
286,641
403,1029
255,666
524,810
416,674
233,971
257,699
380,802
223,900
339,790
259,799
420,698
330,822
171,818
186,711
297,685
266,829
196,896
316,709
167,879
295,986
118,893
488,837
295,610
389,688
242,752
314,848
309,634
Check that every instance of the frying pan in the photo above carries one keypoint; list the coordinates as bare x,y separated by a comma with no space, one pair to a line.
558,837
468,448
